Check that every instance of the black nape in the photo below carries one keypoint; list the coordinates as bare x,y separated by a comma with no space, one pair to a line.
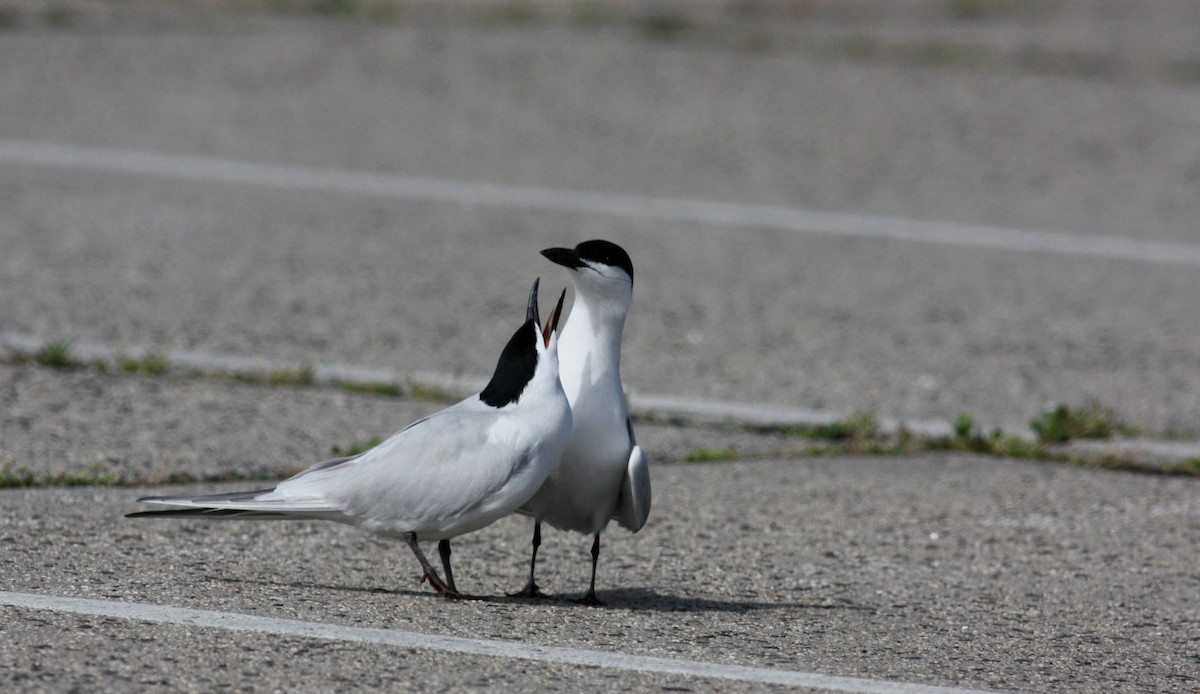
515,369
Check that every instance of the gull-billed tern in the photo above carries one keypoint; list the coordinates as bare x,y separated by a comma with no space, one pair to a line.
603,473
450,473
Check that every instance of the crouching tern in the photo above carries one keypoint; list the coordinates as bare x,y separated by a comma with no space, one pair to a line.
603,472
450,473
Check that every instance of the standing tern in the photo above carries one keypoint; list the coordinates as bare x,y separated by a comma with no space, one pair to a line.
603,473
450,473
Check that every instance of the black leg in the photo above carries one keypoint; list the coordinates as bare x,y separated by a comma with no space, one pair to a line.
590,598
531,590
444,552
429,574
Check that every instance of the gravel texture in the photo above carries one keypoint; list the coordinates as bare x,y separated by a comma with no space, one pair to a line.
904,329
935,569
941,570
56,423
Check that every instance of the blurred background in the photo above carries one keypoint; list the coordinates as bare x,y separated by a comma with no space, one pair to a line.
917,209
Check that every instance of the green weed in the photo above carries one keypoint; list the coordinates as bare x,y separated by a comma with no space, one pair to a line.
968,439
388,390
355,449
1190,467
150,363
429,392
303,375
21,477
1062,424
859,426
56,355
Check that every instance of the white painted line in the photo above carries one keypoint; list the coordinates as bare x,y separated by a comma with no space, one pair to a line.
725,214
760,414
232,621
1149,448
772,415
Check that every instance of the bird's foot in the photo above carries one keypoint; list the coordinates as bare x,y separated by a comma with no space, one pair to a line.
590,600
530,591
438,585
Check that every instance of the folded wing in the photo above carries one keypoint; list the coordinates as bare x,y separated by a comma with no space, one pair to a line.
425,476
633,507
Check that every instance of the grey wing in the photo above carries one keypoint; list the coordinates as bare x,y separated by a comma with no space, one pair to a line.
633,508
438,468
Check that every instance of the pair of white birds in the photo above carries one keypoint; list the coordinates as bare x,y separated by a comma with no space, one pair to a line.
549,436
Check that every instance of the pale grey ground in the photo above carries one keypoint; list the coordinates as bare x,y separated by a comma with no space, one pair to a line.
1065,579
146,428
903,329
945,570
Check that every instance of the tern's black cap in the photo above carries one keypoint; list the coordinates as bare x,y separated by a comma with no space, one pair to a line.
514,369
595,251
518,361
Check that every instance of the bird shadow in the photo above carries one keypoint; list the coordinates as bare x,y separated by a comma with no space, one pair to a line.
635,599
651,600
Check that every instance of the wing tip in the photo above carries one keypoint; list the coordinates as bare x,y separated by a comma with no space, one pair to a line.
633,508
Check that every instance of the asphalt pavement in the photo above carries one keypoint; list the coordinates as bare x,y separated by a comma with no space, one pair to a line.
737,311
918,214
939,570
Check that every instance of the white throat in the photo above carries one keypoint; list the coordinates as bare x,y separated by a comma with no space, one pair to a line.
589,349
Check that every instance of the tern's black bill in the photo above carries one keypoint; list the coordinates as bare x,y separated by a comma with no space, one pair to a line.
531,310
552,324
567,257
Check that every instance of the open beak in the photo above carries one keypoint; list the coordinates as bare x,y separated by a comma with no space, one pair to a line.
552,324
567,257
531,310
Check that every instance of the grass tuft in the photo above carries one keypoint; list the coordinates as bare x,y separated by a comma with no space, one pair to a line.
355,449
21,477
1062,423
968,438
860,426
56,355
858,435
150,363
429,392
303,375
1190,467
387,390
